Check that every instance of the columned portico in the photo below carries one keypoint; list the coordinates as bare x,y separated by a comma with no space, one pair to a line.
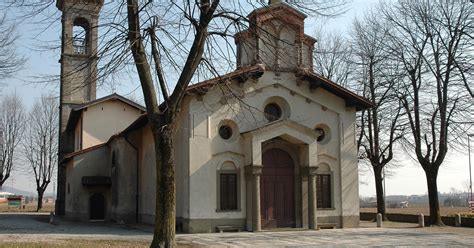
252,173
304,140
312,208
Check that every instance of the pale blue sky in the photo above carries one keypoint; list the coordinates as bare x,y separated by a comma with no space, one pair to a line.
409,179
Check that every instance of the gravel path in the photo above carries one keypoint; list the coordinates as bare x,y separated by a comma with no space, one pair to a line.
13,227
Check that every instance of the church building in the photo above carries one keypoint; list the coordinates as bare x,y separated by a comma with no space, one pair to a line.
269,145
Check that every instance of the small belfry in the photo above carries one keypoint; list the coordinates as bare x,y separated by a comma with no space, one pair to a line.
276,39
78,69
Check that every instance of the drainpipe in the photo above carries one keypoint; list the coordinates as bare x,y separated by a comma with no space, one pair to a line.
137,176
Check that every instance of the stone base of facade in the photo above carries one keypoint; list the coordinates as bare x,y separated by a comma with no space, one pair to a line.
351,221
340,221
147,219
76,216
124,218
210,225
206,225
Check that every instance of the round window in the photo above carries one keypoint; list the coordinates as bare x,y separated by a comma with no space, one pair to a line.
272,112
321,133
225,132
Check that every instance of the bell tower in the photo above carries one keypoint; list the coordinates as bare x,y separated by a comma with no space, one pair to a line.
78,71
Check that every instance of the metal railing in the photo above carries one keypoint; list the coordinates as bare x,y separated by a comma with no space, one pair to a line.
79,45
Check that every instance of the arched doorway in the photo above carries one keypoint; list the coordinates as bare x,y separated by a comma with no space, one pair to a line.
97,207
277,189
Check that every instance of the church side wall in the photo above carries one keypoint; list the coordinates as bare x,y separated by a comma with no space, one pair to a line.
93,163
103,120
147,177
147,170
181,149
124,181
349,171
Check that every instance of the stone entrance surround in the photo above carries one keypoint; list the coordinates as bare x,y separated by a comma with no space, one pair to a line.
304,139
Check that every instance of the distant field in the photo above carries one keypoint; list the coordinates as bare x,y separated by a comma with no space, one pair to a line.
445,211
30,207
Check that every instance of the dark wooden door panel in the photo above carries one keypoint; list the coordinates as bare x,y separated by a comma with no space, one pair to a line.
277,189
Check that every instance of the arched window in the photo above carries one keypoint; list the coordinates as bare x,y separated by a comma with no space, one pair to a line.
287,50
324,186
268,45
80,36
227,187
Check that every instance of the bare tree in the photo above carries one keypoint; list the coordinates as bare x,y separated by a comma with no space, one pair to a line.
379,127
12,118
428,39
10,61
332,57
40,144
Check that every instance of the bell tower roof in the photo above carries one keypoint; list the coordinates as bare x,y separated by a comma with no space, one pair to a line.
62,4
276,8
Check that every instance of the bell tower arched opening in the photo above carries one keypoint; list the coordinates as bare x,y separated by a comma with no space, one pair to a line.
81,36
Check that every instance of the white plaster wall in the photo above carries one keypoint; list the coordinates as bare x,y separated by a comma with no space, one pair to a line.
147,176
105,119
182,162
124,181
92,163
349,169
77,135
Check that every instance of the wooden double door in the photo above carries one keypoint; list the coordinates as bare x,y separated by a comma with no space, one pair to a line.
277,189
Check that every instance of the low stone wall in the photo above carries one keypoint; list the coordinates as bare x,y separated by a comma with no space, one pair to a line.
413,218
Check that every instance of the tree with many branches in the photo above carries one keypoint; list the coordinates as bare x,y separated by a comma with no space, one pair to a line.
379,127
40,144
10,61
332,57
432,42
12,118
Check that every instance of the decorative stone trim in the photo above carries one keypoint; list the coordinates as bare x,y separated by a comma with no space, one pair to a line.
253,169
308,170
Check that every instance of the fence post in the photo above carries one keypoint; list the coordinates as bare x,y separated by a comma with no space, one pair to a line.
379,220
421,220
457,220
51,217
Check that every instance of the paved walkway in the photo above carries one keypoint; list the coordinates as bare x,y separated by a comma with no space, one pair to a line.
35,228
362,237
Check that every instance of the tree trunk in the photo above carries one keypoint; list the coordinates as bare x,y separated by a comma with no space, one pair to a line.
435,215
40,199
165,221
380,191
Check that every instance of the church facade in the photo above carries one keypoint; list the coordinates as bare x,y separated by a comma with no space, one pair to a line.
269,145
